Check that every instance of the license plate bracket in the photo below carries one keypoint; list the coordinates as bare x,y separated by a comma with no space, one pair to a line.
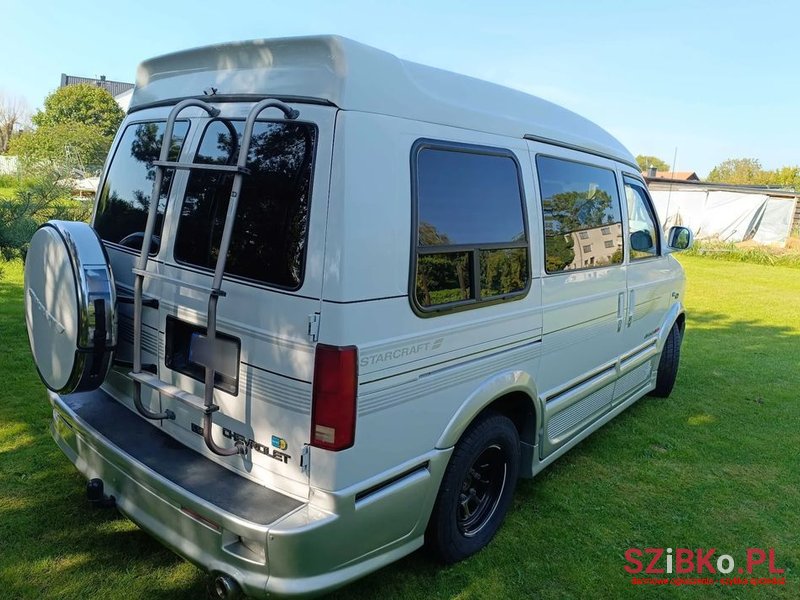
187,351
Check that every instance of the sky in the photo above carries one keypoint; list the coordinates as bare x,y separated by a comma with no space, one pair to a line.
712,80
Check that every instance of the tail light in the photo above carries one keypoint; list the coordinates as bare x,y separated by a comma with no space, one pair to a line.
333,410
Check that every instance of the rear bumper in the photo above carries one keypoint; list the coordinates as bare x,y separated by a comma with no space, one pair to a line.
301,550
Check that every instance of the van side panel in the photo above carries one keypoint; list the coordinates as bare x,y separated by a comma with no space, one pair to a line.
414,372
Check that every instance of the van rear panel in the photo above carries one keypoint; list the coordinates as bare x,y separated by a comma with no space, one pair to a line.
273,281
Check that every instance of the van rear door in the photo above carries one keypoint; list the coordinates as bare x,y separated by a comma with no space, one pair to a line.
583,291
272,287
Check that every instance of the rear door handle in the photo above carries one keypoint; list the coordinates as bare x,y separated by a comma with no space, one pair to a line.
631,306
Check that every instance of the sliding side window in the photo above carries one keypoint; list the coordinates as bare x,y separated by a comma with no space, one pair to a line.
582,217
471,242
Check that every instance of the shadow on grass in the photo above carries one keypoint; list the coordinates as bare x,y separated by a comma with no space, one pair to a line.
53,544
57,541
565,535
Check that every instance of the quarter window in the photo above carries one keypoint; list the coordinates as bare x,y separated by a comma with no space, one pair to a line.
471,242
641,222
124,200
268,242
580,202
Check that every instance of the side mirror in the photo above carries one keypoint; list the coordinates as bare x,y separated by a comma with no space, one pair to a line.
641,241
679,238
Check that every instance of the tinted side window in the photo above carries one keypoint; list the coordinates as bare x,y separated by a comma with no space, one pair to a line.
641,222
124,200
472,244
581,215
468,198
269,232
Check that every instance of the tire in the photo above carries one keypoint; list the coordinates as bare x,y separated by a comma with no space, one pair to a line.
476,490
668,365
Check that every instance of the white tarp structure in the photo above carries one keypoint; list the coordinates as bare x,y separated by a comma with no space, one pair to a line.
730,216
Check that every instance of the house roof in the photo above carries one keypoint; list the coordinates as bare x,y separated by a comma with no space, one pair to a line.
675,175
353,76
114,87
674,184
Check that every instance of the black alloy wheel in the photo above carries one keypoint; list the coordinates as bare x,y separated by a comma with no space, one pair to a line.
481,490
476,490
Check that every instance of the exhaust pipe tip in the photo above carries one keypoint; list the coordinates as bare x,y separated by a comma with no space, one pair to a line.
224,587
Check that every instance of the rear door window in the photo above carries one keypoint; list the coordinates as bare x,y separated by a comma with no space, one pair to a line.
124,200
582,215
270,230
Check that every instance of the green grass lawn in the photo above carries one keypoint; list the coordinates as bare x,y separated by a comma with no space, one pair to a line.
8,186
717,465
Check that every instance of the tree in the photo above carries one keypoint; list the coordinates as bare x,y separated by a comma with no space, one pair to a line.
568,212
748,171
75,128
645,162
741,171
788,177
43,195
13,113
74,144
559,252
430,236
85,104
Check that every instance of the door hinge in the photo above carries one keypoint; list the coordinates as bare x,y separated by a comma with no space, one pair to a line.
305,459
313,326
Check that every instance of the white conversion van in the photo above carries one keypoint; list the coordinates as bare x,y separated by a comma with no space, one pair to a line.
332,304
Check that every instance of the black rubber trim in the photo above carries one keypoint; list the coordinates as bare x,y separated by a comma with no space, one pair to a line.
230,98
584,149
384,484
148,302
184,467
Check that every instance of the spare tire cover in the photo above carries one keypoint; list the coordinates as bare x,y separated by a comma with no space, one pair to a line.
70,306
